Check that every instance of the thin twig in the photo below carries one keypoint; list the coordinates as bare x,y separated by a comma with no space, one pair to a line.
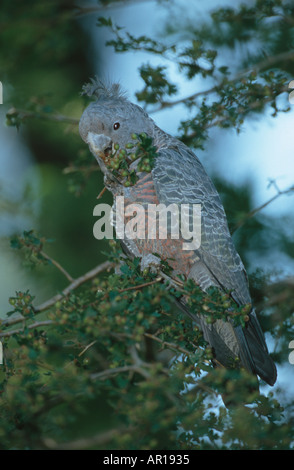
85,443
86,10
169,104
87,347
269,61
167,344
176,283
76,283
251,106
30,327
262,206
105,374
75,169
57,265
26,114
49,303
140,286
102,192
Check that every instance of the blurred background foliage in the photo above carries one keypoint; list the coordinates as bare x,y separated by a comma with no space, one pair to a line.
74,375
44,67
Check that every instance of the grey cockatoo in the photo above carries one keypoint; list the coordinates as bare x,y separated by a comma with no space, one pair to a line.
178,177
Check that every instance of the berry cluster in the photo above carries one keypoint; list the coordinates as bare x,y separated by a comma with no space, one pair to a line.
120,160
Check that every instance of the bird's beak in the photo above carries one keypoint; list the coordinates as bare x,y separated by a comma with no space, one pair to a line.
99,144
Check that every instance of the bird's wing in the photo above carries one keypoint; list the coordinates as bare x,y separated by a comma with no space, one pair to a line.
180,178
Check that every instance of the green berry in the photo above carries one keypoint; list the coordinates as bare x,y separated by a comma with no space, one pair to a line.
27,299
114,165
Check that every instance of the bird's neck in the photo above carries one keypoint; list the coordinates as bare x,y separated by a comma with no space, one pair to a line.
162,139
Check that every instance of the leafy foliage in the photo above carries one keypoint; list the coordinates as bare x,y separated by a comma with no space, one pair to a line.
233,97
119,160
113,340
110,361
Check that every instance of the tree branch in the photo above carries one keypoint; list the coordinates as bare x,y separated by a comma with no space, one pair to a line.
75,169
105,374
269,61
140,286
74,284
86,10
57,265
97,440
251,106
26,114
262,206
30,327
167,344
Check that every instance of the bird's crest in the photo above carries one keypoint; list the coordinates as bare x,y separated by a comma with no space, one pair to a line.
102,91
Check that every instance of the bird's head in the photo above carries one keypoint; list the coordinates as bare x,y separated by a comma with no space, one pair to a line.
110,121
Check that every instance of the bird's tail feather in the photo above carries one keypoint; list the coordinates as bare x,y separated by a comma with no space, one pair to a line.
253,344
231,343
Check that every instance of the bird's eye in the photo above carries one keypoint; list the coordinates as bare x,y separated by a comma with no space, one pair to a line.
116,126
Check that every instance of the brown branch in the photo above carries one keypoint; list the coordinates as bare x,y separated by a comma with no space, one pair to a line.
262,206
269,61
140,286
167,344
101,192
105,374
30,327
85,443
170,104
251,106
76,283
86,10
138,366
57,265
49,303
87,347
26,114
75,169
